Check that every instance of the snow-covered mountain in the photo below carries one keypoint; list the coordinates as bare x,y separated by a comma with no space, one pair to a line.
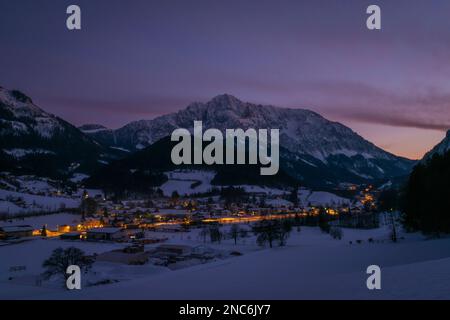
441,148
311,143
20,116
314,150
33,141
302,131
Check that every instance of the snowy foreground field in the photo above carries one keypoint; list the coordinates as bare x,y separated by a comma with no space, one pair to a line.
311,266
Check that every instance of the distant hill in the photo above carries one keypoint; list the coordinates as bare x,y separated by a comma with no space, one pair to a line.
33,141
145,169
441,148
316,151
427,199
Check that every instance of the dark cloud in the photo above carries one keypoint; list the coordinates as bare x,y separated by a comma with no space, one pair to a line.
397,121
361,102
422,111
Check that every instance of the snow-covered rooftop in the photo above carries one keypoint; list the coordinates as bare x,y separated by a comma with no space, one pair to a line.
105,230
16,228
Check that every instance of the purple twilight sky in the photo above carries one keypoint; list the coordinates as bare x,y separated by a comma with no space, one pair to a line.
139,59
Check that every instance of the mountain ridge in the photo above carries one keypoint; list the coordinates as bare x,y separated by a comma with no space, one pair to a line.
441,148
314,148
34,141
229,110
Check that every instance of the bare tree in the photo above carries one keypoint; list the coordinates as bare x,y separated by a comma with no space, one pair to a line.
204,234
235,232
215,234
61,259
336,233
393,227
266,231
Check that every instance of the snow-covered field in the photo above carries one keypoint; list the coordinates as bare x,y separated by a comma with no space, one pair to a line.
321,198
78,177
52,221
262,189
31,194
188,182
183,181
312,265
28,184
33,203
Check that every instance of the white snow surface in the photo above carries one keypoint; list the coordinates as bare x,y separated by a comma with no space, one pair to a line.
311,266
33,203
20,153
321,198
52,221
78,177
183,181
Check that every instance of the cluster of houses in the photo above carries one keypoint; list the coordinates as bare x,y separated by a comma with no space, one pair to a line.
173,256
19,231
125,220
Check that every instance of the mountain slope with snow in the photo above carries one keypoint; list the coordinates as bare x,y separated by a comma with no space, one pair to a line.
302,131
312,146
33,141
441,148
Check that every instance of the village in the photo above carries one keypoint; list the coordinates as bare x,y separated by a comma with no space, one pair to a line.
145,229
104,219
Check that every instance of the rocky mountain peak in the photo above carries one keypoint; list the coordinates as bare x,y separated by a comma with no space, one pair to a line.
225,99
